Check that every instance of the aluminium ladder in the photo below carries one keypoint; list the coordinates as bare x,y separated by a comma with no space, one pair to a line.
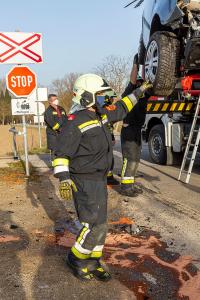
193,141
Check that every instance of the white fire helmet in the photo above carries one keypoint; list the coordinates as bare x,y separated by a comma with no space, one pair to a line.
87,87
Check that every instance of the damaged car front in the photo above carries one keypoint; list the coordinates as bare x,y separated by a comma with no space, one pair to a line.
170,41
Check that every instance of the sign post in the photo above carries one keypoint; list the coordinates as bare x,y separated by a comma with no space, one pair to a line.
39,125
25,145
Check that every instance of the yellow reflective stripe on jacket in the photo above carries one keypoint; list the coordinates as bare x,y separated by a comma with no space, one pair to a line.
54,113
56,126
104,117
60,162
88,123
128,103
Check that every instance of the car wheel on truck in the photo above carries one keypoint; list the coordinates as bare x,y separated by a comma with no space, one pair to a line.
161,62
157,148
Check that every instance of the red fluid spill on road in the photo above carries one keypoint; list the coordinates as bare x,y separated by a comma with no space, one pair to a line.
146,248
123,221
9,238
115,254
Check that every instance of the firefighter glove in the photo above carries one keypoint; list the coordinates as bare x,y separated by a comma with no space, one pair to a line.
139,92
66,188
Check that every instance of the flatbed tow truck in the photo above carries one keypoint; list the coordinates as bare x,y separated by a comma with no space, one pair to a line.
169,120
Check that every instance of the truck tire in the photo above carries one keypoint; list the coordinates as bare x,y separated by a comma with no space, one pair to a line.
161,62
156,142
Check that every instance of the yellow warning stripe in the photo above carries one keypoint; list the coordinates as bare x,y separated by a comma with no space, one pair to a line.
149,105
157,106
169,106
165,106
189,106
173,106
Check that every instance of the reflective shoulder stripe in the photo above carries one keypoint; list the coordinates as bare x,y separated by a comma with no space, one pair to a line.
89,125
128,103
56,126
54,113
60,162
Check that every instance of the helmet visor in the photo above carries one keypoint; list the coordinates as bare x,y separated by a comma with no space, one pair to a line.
105,97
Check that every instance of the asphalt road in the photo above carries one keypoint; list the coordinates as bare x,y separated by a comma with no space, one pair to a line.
152,248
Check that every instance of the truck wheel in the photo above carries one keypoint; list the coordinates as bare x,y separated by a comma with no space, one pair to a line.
157,148
161,62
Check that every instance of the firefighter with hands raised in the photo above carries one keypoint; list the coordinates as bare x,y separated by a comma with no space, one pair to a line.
83,159
131,135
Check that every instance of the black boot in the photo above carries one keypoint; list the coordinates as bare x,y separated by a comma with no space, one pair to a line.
128,190
99,271
79,267
138,188
112,181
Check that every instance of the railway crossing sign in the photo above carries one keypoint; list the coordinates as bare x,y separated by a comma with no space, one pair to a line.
20,48
21,81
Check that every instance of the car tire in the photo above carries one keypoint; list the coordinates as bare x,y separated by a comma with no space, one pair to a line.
156,142
161,62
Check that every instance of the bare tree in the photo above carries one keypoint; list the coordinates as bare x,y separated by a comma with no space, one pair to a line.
116,71
3,85
64,89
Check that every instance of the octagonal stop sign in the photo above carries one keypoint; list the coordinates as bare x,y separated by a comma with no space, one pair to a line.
21,81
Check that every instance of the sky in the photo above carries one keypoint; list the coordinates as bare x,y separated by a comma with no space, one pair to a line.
77,34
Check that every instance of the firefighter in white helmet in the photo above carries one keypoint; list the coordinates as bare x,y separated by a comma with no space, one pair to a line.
83,159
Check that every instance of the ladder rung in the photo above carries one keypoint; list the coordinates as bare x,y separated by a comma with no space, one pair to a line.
194,129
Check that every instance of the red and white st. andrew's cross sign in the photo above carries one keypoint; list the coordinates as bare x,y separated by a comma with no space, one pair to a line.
20,48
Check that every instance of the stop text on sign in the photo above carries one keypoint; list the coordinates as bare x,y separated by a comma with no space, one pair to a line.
21,81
